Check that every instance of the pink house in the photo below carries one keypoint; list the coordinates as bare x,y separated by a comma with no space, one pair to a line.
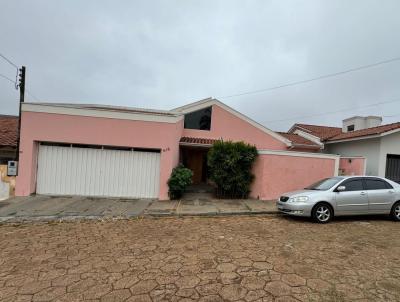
96,150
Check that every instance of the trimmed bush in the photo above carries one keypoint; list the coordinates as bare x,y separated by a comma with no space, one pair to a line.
181,177
230,165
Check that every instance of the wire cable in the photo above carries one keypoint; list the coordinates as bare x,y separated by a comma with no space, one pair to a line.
8,60
312,79
7,78
331,112
26,90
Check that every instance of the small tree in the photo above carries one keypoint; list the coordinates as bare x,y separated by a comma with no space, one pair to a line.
181,177
230,165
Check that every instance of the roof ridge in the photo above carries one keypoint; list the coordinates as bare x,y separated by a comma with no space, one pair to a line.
376,127
301,124
8,116
366,132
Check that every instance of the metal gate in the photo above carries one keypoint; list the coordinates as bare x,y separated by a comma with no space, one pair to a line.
393,167
96,171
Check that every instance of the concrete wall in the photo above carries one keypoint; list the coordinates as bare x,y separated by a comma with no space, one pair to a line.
289,171
352,166
50,127
227,126
7,183
368,148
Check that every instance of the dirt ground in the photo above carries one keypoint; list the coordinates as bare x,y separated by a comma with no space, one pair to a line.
208,259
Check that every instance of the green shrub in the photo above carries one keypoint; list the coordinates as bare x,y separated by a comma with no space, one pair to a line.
181,177
230,165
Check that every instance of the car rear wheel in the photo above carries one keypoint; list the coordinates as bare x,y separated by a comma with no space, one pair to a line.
322,213
396,211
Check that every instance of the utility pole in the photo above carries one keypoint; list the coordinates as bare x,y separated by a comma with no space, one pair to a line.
21,86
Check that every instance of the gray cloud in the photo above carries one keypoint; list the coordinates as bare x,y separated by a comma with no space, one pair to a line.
162,54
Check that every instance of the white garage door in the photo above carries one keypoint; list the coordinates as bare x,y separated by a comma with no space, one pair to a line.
98,172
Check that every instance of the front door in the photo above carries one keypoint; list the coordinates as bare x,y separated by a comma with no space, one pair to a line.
196,160
353,200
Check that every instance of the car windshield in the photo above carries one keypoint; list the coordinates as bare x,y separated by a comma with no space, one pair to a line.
324,184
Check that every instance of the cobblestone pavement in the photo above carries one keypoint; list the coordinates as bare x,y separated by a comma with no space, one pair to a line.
207,259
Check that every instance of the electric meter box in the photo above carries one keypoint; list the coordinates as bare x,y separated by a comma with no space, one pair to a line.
12,167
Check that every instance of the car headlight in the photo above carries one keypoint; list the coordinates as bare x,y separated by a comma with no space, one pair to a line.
298,199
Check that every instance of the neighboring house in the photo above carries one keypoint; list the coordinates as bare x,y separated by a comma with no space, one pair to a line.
360,136
8,137
8,146
97,150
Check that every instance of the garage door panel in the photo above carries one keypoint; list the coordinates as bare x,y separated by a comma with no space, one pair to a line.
97,172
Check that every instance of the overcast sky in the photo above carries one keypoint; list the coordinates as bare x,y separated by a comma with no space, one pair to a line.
163,54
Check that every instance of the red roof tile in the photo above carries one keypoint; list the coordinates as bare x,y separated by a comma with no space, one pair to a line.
198,140
366,132
298,140
323,132
8,130
335,133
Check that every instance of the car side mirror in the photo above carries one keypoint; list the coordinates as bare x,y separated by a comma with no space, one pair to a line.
340,188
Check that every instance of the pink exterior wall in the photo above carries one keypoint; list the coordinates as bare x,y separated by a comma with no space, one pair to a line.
352,166
277,174
60,128
227,126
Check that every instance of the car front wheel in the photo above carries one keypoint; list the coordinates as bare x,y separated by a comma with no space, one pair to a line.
322,213
396,211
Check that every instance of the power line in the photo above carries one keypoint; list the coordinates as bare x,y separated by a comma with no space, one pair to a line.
27,91
331,112
8,60
32,95
7,78
390,116
312,79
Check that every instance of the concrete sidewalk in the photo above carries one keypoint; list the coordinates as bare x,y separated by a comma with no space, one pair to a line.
47,208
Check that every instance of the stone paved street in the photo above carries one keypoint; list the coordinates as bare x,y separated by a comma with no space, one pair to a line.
259,258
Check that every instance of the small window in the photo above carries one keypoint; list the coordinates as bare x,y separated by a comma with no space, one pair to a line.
350,128
377,184
354,185
199,120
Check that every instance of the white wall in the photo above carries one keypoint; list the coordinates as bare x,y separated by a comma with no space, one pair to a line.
4,190
390,144
375,150
369,148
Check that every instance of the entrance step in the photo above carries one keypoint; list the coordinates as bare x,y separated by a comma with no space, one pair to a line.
197,196
200,188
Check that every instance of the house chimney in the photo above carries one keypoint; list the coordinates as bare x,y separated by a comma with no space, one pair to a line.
361,122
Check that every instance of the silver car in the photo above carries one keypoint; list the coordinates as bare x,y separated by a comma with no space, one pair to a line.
343,195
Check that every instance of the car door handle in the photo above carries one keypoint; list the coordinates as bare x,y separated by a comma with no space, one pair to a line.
363,193
391,191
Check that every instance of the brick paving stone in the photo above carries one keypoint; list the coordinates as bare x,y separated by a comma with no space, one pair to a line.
33,287
97,291
293,280
252,283
209,289
49,294
187,282
116,295
200,259
140,298
143,287
278,288
125,282
233,292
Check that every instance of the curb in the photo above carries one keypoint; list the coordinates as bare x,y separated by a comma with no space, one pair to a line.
28,219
